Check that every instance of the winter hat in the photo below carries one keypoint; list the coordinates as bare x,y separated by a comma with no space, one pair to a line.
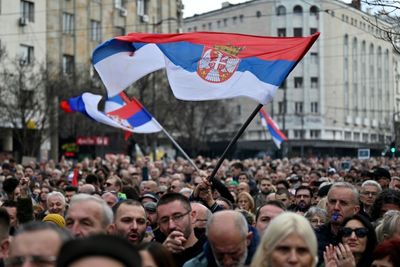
55,218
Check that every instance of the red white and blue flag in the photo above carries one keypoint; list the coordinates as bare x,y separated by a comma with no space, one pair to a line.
202,65
277,135
119,112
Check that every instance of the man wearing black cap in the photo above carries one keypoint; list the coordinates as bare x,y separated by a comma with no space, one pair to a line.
99,251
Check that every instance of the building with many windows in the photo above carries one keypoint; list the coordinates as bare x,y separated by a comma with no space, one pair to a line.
62,34
342,96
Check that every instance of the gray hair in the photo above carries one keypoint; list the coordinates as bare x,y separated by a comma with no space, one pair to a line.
316,211
56,194
237,218
371,183
356,194
282,226
107,212
35,226
388,226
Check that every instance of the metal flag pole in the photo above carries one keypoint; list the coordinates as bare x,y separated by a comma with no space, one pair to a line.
177,145
234,140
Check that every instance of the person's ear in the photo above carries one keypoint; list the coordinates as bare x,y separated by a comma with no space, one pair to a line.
111,228
249,237
4,248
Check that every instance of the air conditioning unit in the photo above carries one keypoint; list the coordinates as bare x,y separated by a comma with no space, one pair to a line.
123,12
145,18
23,21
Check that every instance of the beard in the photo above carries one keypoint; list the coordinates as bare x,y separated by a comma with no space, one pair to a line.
239,263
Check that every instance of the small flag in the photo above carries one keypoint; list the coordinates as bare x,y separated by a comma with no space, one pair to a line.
119,112
277,135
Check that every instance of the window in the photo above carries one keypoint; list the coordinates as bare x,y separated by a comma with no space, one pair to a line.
314,57
210,26
218,24
297,10
241,18
281,107
283,85
298,107
68,64
315,133
314,82
95,34
298,134
195,28
234,19
141,6
68,23
314,107
27,10
281,11
314,11
204,26
258,14
238,110
118,3
281,32
313,30
297,32
225,22
26,54
298,82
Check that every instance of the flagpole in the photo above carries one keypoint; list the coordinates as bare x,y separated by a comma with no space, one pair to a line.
177,146
234,140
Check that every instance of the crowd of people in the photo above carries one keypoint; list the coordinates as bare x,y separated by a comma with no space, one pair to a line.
116,211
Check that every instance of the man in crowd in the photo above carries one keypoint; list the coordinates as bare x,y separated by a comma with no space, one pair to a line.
176,220
343,202
36,244
266,213
231,242
88,215
303,197
4,234
395,183
130,221
265,187
370,189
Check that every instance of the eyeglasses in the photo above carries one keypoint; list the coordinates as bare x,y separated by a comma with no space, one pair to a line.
360,232
175,218
36,260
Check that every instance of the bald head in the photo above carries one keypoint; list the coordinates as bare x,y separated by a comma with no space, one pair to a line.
202,214
226,222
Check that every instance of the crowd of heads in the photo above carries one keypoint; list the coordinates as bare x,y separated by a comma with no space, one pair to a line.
258,212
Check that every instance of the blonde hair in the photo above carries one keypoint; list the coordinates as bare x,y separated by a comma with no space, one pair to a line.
282,226
250,198
388,226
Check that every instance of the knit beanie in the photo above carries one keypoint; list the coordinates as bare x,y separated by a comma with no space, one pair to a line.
55,218
102,245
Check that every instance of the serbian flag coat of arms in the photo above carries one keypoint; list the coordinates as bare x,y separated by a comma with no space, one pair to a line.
202,65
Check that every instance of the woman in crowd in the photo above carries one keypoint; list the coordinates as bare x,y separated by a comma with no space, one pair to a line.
288,240
154,254
389,226
358,242
246,202
316,216
387,253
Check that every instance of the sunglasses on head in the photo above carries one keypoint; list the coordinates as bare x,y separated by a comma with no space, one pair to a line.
360,232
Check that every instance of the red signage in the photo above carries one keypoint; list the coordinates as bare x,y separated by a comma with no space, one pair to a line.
92,141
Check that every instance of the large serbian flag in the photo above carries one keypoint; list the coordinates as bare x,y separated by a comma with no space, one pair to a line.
119,112
202,65
277,135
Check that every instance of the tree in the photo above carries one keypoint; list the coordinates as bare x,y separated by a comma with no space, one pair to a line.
386,19
24,103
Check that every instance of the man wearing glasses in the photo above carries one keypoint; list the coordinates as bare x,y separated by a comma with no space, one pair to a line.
176,221
36,243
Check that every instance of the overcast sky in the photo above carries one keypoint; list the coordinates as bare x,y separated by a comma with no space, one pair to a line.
200,6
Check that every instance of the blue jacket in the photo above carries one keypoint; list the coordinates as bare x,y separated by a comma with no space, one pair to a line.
206,258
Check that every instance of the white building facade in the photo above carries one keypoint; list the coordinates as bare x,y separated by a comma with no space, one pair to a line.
342,96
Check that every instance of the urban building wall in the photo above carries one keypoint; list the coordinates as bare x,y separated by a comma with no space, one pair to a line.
341,95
